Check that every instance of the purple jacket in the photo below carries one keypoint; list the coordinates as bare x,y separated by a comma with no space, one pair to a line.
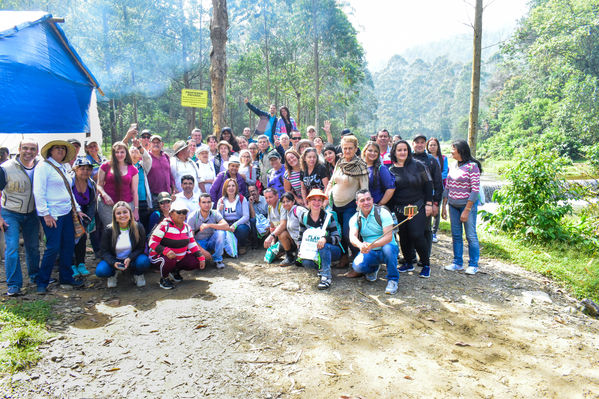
216,191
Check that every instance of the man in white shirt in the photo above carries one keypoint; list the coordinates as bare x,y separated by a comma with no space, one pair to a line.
187,196
182,165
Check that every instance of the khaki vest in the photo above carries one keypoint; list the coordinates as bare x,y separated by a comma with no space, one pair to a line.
17,195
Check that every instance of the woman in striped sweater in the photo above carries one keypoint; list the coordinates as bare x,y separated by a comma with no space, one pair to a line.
461,192
173,247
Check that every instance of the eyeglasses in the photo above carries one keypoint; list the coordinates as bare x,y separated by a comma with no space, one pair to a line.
181,212
296,138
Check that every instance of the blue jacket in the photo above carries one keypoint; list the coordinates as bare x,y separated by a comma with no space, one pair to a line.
265,116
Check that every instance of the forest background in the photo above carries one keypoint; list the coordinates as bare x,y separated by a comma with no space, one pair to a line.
540,86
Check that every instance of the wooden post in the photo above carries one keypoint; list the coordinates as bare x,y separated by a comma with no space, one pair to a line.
475,84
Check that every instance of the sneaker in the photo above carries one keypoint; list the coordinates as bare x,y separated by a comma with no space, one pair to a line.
42,290
435,239
220,265
82,270
111,281
391,287
71,284
471,270
372,276
75,271
166,283
425,272
139,280
324,283
13,291
176,276
288,261
406,267
51,281
454,268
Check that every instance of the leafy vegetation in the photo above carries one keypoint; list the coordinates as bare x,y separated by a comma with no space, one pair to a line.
548,82
22,329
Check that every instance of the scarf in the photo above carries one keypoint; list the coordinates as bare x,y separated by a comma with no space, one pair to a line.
354,167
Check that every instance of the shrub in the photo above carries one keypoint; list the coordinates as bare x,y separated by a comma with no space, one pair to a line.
534,202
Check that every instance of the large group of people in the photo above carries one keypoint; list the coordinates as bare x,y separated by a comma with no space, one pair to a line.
306,201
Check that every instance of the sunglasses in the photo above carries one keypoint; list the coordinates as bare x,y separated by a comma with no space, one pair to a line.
296,138
181,212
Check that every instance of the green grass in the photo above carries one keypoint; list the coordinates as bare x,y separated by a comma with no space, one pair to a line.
22,330
574,270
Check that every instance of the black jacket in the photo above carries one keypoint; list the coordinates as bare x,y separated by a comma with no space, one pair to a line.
435,172
108,251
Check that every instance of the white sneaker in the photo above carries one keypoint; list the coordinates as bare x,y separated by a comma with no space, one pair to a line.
454,268
139,280
471,270
220,265
111,281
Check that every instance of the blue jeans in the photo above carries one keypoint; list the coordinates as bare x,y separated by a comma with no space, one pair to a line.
344,213
456,235
59,240
367,263
138,266
329,253
242,233
215,245
31,226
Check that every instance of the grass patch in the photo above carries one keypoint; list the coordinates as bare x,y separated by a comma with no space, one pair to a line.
22,330
575,270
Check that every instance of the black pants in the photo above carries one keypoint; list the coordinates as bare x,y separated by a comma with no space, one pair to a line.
144,214
412,236
80,250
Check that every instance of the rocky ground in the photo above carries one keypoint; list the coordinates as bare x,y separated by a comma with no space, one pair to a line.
261,331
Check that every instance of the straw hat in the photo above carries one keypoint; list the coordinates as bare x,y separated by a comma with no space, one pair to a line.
316,193
180,146
71,152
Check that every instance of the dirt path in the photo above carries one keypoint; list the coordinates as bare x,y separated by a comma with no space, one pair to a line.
258,331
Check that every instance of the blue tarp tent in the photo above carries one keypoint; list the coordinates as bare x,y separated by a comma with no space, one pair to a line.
45,87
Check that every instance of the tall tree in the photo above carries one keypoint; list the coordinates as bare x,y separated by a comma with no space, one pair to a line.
218,62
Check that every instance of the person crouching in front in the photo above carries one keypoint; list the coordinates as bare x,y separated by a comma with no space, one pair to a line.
173,247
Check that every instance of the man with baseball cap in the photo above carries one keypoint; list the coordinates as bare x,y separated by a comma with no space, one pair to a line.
277,173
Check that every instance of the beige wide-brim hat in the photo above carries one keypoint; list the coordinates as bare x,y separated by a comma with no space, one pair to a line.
180,146
71,151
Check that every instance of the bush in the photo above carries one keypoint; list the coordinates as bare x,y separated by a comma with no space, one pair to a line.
534,202
592,156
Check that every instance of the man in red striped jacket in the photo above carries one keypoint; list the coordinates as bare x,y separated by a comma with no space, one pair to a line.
173,247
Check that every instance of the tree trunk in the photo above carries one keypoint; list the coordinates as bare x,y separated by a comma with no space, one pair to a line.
113,138
299,107
475,84
316,66
218,62
266,55
200,63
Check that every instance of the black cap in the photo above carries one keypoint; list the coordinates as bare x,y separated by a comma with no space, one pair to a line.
345,132
419,136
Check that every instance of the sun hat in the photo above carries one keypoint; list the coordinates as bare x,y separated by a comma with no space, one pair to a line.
316,193
146,132
178,206
202,148
71,151
180,146
155,136
224,142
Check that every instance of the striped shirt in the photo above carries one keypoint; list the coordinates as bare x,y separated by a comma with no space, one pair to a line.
295,179
463,184
168,236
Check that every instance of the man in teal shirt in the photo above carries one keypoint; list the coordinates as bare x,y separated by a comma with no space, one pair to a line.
268,121
373,235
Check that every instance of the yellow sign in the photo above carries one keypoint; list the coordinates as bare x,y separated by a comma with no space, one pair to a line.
194,98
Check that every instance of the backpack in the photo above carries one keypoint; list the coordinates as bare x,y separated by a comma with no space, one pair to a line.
377,217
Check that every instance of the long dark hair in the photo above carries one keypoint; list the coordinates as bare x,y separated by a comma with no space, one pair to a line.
377,163
330,147
114,165
394,149
463,149
232,140
285,118
115,225
439,153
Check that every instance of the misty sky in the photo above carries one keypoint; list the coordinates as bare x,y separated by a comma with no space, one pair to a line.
388,27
